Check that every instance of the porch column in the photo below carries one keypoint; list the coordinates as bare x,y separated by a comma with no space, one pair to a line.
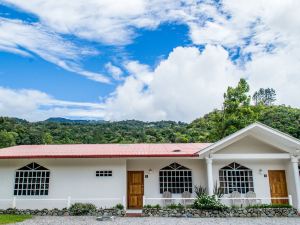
210,183
295,161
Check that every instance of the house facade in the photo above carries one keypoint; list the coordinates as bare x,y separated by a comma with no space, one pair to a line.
256,159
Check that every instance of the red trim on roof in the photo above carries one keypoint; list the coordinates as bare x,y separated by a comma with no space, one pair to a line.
102,151
96,156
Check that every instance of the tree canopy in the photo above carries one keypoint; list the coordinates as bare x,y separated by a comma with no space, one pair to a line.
264,96
237,113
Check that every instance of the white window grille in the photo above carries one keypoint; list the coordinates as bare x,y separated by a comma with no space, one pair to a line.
236,177
103,173
176,179
32,179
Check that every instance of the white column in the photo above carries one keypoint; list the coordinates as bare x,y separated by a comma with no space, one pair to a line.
68,202
124,201
14,202
210,182
295,161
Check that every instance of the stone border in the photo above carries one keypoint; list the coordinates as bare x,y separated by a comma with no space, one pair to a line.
165,212
61,212
230,212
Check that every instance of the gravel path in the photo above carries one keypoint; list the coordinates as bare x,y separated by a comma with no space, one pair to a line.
52,220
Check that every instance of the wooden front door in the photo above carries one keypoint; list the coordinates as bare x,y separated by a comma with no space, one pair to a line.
278,186
135,189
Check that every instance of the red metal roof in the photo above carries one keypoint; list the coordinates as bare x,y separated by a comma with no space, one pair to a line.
102,150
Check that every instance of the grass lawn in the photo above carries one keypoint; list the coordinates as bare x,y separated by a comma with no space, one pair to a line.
6,219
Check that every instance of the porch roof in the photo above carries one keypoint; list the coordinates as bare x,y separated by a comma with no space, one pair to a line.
261,132
102,150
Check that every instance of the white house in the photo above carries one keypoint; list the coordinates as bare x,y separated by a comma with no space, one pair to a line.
256,158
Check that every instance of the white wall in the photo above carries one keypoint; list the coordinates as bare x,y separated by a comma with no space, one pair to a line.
252,145
151,185
261,183
68,177
248,145
76,178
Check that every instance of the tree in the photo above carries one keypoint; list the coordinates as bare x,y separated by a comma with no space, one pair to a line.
7,139
47,138
283,118
264,96
207,128
237,112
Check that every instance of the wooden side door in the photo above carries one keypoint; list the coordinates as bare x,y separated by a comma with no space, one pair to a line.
278,187
135,189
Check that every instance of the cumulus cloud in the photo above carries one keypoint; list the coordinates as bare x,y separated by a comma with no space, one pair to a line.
35,105
279,71
182,87
188,83
28,39
273,44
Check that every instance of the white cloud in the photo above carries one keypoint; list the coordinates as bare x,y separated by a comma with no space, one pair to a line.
269,32
263,22
106,21
187,84
279,71
115,71
28,39
139,71
184,86
35,105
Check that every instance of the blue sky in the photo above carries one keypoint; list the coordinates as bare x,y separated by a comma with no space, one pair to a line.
147,60
35,73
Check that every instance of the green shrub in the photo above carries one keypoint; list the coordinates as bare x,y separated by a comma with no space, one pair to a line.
208,202
179,206
81,209
264,206
157,206
200,190
119,206
189,206
175,206
218,191
171,206
152,206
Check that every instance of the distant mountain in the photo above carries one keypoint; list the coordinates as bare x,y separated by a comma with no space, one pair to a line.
64,120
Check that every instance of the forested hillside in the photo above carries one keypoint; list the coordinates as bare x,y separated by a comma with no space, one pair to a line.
237,113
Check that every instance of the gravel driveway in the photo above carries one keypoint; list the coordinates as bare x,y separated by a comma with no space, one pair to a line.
52,220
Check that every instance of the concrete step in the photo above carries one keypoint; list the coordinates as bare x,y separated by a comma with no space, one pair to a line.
134,213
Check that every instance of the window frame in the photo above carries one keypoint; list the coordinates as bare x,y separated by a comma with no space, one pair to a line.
176,179
32,181
236,177
104,173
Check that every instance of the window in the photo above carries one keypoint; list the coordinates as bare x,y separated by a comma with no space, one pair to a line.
236,177
175,179
104,173
32,179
